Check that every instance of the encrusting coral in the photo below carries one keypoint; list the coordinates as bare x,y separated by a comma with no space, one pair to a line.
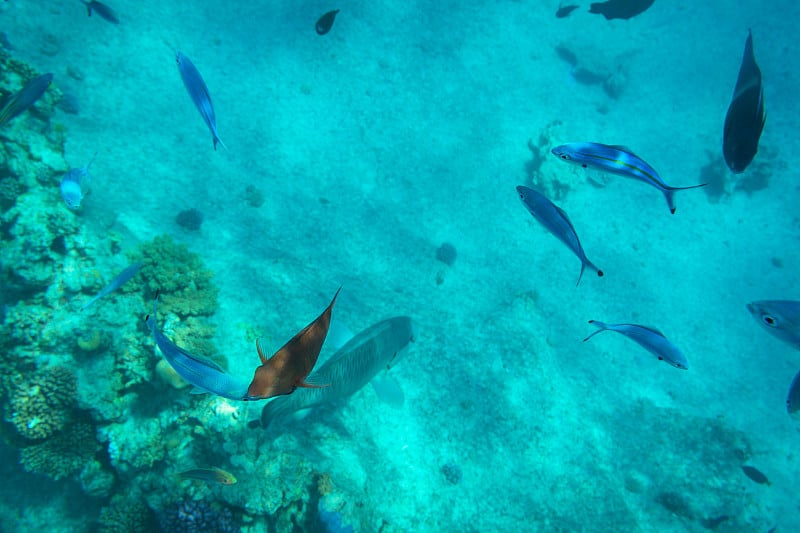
125,514
62,455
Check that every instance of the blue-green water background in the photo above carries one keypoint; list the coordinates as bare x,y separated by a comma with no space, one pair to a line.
412,119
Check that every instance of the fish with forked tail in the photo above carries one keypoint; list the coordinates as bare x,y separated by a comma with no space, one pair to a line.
620,9
288,368
648,338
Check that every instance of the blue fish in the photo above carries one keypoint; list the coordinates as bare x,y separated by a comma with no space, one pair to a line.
648,338
26,97
782,319
101,9
617,160
204,374
745,119
75,185
557,222
197,89
121,279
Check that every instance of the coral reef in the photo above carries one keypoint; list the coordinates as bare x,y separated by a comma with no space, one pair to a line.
125,514
190,516
190,219
63,454
40,405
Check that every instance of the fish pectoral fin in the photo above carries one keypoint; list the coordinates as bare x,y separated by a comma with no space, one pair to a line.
198,390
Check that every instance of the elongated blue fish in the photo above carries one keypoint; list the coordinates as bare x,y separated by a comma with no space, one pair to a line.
617,160
378,347
121,279
557,222
204,374
26,97
197,89
782,319
648,338
745,118
75,185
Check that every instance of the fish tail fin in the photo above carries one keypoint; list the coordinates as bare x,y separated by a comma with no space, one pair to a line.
591,265
583,267
217,141
601,328
669,192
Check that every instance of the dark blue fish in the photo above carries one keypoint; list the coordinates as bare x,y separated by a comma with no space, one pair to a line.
25,98
648,338
620,9
564,11
325,22
618,160
197,89
101,9
121,279
557,222
746,117
782,319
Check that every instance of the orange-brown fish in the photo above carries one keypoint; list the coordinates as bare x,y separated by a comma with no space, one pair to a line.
288,368
213,475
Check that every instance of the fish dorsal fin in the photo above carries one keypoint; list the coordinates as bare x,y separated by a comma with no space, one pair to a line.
261,352
650,329
623,148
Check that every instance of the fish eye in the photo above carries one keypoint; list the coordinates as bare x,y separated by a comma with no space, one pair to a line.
770,321
565,157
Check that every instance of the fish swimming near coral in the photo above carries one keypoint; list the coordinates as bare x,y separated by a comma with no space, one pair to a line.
556,221
781,318
288,368
648,338
75,185
101,9
620,9
121,279
16,104
204,374
198,91
325,22
745,119
358,362
617,160
211,475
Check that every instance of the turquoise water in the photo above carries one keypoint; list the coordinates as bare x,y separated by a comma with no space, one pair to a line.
351,159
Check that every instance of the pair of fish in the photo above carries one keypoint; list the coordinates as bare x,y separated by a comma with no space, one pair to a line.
280,374
745,119
356,363
612,9
618,160
198,91
16,104
75,185
648,338
781,318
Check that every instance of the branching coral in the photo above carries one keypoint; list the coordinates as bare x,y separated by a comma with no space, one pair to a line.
41,404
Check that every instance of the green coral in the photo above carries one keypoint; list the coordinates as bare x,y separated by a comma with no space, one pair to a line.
125,514
41,405
62,455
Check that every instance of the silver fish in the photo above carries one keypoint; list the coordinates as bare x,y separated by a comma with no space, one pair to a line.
378,347
648,338
557,222
75,185
198,91
617,160
745,119
26,97
782,319
121,279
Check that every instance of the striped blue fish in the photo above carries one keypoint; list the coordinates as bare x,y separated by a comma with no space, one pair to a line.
617,160
26,97
557,222
121,279
648,338
197,89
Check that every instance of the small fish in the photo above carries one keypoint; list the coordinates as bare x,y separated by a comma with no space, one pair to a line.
75,185
648,338
287,369
620,9
556,221
203,373
198,91
121,279
101,9
755,474
617,160
745,119
782,319
325,22
358,362
26,97
212,475
564,11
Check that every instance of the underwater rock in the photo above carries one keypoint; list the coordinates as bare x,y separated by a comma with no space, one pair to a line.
195,516
62,455
95,480
10,190
169,376
134,445
41,405
190,219
254,196
446,253
452,473
93,340
127,514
